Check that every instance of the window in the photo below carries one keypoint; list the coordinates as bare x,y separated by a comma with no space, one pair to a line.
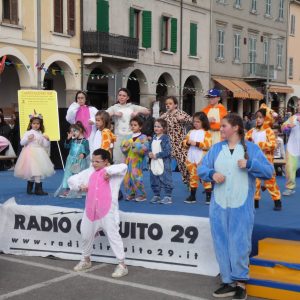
253,6
71,17
291,66
221,1
237,4
193,39
58,16
280,15
168,34
293,23
252,54
140,26
279,55
266,50
268,8
10,11
237,47
220,44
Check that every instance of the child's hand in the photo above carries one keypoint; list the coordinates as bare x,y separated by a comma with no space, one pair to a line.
212,119
152,155
106,176
81,156
83,188
134,113
126,144
192,143
180,118
218,178
242,163
69,135
31,137
46,137
91,122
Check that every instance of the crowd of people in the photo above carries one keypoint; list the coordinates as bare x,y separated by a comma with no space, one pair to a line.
213,147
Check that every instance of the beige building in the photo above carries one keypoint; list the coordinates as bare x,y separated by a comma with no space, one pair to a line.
137,44
60,48
293,69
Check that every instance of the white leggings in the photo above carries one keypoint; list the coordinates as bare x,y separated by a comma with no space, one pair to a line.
110,225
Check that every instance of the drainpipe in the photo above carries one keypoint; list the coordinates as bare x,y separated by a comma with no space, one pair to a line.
38,42
180,56
81,44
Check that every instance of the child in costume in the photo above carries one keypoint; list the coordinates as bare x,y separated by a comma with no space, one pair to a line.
102,183
198,141
101,135
135,147
34,163
160,164
264,137
279,152
77,158
292,126
233,165
81,111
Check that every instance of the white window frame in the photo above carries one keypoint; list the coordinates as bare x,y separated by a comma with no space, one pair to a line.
291,67
281,10
220,44
293,25
266,51
279,54
237,47
253,6
252,53
268,7
238,3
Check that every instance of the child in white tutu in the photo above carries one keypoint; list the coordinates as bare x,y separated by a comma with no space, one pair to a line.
34,163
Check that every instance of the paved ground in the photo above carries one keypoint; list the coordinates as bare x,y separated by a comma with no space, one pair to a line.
45,278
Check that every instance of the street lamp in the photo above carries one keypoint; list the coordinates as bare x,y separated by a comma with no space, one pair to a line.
270,38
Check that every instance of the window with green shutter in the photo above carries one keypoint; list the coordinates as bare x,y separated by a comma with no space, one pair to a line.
147,29
131,22
102,15
193,39
173,35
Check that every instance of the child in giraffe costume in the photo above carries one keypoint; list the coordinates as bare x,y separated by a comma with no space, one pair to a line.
264,137
292,126
198,141
135,147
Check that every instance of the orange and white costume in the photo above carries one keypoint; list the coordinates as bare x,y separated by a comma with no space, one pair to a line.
103,139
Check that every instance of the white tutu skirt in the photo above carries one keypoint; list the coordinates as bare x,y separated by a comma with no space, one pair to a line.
33,161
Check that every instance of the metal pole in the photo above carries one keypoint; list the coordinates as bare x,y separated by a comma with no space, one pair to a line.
38,41
180,57
268,73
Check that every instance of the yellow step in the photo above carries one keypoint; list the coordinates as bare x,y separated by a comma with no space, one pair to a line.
279,250
271,293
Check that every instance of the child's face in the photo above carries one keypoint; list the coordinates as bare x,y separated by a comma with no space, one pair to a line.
227,130
81,99
75,133
170,105
158,129
98,163
122,97
213,100
275,132
35,125
259,119
99,122
197,123
135,127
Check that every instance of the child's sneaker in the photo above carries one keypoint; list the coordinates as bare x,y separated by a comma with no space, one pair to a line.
240,294
130,197
288,192
155,199
120,271
166,200
226,290
141,199
82,265
190,199
64,194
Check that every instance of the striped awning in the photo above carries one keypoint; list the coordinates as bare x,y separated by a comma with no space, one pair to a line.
252,91
228,84
281,89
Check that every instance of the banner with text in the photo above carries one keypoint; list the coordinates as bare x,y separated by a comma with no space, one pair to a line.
175,243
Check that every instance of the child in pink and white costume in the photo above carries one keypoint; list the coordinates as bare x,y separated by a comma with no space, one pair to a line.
102,184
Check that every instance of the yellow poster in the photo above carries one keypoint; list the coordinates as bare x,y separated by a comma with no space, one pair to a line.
44,103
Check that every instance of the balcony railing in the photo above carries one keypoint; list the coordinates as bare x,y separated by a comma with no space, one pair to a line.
255,70
111,44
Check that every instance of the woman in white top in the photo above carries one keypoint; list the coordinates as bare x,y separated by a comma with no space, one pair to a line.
121,113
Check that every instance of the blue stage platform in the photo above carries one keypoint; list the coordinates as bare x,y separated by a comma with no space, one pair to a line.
268,223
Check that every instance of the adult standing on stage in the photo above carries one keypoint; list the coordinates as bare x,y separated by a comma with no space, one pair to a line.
177,120
80,110
121,113
215,113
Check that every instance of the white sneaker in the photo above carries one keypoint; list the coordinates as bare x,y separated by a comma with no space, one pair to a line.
82,265
119,271
166,200
155,199
288,192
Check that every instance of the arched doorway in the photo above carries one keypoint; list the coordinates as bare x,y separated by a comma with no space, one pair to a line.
97,89
134,87
189,94
165,86
292,104
55,80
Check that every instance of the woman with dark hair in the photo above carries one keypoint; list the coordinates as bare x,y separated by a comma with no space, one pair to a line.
233,165
80,110
177,120
121,114
5,129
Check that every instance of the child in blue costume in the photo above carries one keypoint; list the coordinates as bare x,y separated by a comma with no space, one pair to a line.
233,165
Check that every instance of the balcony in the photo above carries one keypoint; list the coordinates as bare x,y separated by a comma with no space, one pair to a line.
118,46
253,70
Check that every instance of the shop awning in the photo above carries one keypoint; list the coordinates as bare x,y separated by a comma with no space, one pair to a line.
228,84
253,93
281,89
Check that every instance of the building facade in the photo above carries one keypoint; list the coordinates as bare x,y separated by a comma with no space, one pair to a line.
59,66
137,44
249,51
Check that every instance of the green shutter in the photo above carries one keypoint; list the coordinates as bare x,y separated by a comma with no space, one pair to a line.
193,39
147,29
161,33
102,15
131,22
174,35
